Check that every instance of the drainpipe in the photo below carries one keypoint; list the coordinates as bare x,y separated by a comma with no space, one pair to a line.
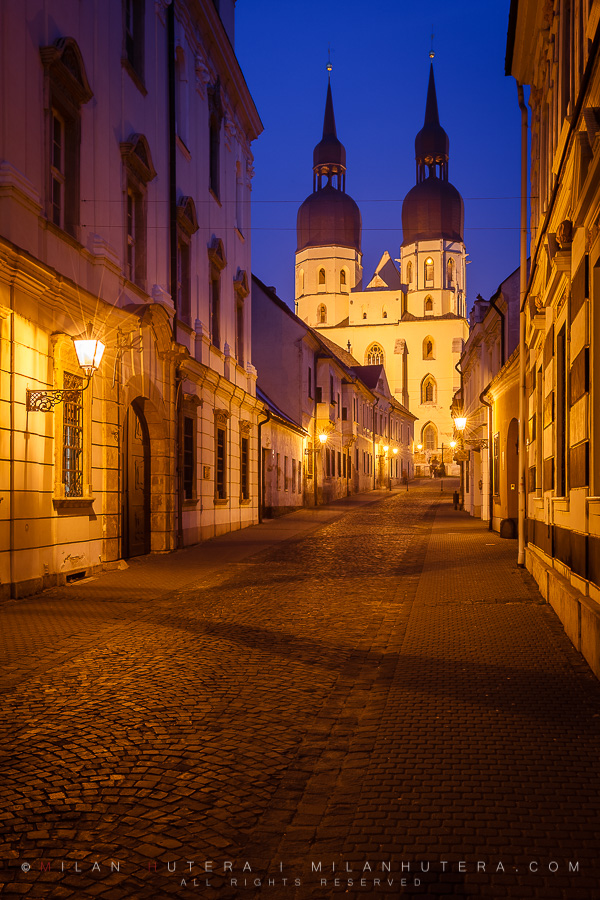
178,454
374,449
523,289
260,480
11,472
490,456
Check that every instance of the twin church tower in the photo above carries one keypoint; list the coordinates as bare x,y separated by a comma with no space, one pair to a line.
411,316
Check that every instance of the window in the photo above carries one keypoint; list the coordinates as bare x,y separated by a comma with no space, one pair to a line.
139,171
428,389
181,97
187,225
286,485
217,259
72,468
450,272
239,194
309,459
221,461
278,472
67,89
215,118
293,476
321,276
428,348
322,314
409,272
339,462
299,478
384,313
310,382
428,305
189,457
364,315
429,270
133,34
343,281
374,356
240,284
496,464
429,438
245,467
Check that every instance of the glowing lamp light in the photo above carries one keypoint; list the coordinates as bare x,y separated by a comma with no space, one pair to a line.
323,438
460,422
386,448
89,354
453,444
419,446
395,450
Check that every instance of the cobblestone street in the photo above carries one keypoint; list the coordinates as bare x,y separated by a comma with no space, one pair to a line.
365,691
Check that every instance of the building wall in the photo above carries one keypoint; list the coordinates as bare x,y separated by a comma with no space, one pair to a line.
561,309
88,128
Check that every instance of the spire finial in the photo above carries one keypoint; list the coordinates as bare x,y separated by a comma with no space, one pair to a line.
432,51
329,66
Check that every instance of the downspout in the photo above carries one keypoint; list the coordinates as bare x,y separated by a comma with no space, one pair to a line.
173,255
260,479
374,449
490,456
12,588
523,288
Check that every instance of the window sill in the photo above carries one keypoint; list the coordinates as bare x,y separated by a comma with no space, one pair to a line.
190,504
245,501
184,150
137,79
221,501
65,235
214,196
73,502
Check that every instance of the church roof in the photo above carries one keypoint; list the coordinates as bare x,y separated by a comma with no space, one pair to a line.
386,275
343,355
330,149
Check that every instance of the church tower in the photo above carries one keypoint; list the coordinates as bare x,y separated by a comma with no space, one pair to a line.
432,255
328,255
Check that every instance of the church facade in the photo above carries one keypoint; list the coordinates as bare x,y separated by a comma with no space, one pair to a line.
411,315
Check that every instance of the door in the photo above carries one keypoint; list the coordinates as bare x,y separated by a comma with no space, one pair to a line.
512,470
136,485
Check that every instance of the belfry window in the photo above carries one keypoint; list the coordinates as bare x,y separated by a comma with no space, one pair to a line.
321,276
428,306
450,272
409,273
429,270
428,348
428,389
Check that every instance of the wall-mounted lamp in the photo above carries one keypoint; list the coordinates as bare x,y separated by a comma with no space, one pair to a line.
89,352
460,422
323,438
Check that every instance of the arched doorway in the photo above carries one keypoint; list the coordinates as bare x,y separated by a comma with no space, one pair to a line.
512,470
135,465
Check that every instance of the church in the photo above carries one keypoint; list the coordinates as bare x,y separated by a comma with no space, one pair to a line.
412,314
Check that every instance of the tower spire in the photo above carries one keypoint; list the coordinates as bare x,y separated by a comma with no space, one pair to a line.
432,116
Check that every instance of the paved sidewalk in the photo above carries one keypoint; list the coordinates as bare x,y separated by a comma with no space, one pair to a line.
370,699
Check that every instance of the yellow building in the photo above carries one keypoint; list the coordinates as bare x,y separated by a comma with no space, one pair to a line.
553,48
123,206
411,316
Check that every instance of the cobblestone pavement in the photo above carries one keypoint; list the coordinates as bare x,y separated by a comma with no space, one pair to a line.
383,692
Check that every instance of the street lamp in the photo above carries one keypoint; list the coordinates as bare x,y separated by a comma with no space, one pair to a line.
323,438
385,450
460,423
89,352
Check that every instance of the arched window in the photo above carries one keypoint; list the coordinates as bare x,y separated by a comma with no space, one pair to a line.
364,314
429,438
409,273
428,348
429,270
322,314
374,355
428,389
450,271
300,281
321,276
384,313
343,278
428,305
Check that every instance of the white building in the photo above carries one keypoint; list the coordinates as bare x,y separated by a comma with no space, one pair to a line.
125,171
411,316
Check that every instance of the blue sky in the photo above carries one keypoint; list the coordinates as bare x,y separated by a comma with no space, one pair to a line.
380,58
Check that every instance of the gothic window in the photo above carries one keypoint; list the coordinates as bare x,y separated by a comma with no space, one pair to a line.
187,225
428,306
139,172
301,281
67,91
409,273
429,438
428,389
429,270
322,314
374,356
450,272
343,278
428,348
321,276
241,289
384,313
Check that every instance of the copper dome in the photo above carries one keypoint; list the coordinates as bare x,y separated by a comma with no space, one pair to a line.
432,209
329,216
